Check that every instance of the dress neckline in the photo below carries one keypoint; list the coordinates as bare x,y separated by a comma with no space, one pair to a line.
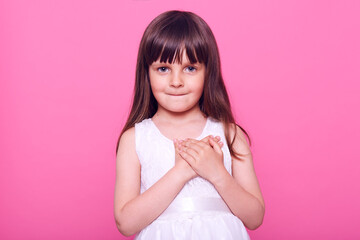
169,140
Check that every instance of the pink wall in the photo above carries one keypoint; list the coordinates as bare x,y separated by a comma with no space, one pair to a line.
66,77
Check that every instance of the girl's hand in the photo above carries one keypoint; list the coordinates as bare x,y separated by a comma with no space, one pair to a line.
180,162
205,159
216,139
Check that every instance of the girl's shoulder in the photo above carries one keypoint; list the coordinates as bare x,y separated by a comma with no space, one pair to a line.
131,132
131,136
126,146
127,136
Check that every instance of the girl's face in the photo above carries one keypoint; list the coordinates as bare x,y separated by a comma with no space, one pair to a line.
177,87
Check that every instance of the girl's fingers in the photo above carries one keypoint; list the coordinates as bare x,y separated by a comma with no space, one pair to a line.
192,152
199,145
217,138
206,139
190,142
194,146
187,157
176,145
215,146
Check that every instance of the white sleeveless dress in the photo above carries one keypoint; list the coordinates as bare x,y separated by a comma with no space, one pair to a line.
198,211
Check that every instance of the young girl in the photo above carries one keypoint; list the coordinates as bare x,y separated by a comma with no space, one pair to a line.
184,168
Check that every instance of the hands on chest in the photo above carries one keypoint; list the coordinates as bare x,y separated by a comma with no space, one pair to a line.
202,158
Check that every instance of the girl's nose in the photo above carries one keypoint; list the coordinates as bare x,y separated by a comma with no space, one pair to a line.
176,81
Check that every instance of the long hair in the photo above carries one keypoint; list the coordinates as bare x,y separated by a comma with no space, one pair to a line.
166,37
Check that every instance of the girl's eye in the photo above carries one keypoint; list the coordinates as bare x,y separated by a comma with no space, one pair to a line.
190,69
163,69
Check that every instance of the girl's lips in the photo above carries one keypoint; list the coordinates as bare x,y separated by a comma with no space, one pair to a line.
176,94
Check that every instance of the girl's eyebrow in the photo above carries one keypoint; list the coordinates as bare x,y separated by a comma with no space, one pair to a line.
156,64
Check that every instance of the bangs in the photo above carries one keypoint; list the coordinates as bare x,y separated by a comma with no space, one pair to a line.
169,42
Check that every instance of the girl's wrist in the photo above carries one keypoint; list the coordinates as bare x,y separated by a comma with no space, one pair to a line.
183,172
221,178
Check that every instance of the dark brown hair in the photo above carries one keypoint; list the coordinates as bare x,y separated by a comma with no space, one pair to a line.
166,37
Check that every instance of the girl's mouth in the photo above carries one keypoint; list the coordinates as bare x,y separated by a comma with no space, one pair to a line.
177,95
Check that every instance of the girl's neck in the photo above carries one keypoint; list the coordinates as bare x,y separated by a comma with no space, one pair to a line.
178,118
189,124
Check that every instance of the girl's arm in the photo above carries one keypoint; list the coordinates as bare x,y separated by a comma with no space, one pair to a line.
241,192
135,211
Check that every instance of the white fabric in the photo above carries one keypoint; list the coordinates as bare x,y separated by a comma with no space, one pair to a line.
198,211
190,204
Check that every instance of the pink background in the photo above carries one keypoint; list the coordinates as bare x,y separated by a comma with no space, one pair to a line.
66,79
